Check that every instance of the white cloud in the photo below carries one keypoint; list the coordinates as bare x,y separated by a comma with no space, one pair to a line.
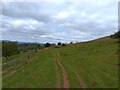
43,36
62,14
83,14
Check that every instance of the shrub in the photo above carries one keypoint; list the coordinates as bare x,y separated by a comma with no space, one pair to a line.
47,45
59,43
63,45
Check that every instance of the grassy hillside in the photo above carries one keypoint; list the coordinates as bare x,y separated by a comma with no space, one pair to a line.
85,65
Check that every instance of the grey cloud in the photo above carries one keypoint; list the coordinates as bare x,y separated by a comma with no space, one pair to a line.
53,22
36,11
25,10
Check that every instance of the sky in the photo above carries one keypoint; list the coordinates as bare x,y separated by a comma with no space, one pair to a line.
58,21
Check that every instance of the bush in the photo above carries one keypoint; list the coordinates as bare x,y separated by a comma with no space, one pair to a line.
47,45
71,42
59,43
9,48
63,45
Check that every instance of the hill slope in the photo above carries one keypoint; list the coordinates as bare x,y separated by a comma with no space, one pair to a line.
103,38
85,65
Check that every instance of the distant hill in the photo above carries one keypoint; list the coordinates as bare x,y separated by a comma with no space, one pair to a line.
18,42
24,42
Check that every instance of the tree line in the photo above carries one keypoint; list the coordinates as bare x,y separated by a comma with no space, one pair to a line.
11,48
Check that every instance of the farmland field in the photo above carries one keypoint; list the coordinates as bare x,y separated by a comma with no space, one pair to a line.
84,65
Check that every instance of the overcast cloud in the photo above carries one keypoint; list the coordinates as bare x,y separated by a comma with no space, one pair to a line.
62,21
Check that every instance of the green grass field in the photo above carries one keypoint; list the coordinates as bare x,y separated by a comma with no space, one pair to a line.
85,65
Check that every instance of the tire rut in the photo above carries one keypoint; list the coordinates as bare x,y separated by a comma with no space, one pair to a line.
81,81
64,73
58,81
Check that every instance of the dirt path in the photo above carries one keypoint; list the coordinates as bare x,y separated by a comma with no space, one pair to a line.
65,77
81,81
58,82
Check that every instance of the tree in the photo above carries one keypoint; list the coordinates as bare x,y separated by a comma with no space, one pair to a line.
59,43
38,45
116,35
9,48
47,45
71,42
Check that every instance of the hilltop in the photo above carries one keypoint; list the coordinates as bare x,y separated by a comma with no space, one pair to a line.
103,38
